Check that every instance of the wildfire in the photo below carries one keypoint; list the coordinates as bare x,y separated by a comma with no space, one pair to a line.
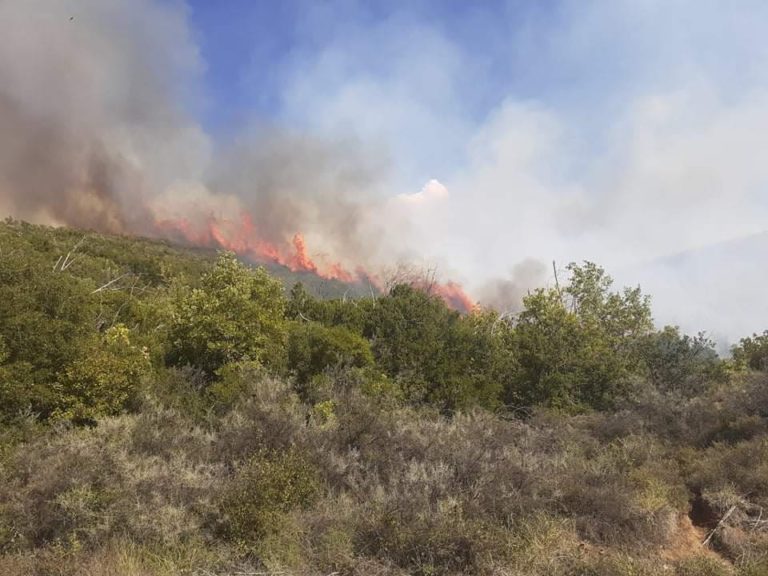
455,296
241,237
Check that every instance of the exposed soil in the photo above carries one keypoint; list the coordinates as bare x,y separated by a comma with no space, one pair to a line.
701,514
692,530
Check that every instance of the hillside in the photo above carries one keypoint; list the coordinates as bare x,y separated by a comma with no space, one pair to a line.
145,257
167,410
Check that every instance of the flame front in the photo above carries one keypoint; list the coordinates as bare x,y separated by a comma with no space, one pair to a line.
241,237
454,296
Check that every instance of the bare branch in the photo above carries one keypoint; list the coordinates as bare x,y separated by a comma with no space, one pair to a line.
108,284
69,259
723,519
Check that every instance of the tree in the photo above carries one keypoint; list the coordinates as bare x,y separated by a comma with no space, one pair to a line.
313,348
676,362
576,347
752,352
237,314
434,353
623,317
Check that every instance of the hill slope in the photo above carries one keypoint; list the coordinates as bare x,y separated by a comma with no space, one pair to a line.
165,410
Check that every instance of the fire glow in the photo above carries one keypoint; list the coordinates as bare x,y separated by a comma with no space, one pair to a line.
241,237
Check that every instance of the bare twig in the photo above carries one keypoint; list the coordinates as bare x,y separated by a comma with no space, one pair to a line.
723,519
370,288
108,284
504,316
70,258
557,282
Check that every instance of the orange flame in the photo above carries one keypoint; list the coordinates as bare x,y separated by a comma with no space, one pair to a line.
454,296
242,238
302,261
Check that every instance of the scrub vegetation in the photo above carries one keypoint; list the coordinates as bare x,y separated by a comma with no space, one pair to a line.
171,411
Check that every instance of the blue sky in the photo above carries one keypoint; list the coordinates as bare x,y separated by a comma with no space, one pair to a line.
584,59
247,46
551,50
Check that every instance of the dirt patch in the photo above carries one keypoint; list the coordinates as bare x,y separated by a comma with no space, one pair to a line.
692,530
686,542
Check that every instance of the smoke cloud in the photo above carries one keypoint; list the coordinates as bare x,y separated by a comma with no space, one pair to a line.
608,131
91,123
506,294
97,130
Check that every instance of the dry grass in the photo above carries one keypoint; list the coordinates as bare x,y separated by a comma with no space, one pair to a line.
396,491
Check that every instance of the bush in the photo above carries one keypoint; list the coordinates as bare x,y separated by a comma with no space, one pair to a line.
267,487
435,355
678,363
104,381
146,478
577,347
314,348
752,352
236,315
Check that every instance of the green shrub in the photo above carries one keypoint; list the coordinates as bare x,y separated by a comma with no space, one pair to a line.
236,315
105,380
677,363
232,383
752,352
314,348
577,347
436,355
267,487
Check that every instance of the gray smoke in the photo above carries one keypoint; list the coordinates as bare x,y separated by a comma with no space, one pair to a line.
506,294
96,131
289,182
91,121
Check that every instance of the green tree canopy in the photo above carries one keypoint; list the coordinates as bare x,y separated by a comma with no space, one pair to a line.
676,362
105,378
314,348
576,346
436,354
752,352
237,314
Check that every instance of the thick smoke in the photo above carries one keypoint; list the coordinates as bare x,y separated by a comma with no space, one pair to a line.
289,183
96,131
91,123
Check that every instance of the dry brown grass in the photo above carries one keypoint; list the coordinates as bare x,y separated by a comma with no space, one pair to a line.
399,491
